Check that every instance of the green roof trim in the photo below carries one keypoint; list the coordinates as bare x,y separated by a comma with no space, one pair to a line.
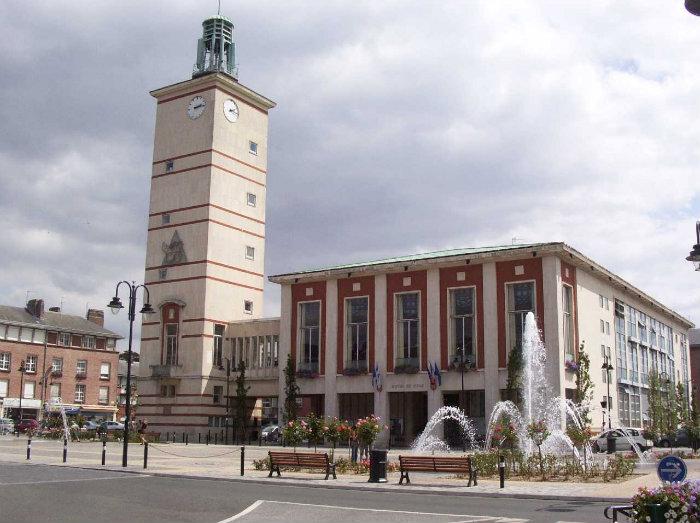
464,251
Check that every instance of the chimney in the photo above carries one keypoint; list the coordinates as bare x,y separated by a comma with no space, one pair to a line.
35,308
55,309
96,316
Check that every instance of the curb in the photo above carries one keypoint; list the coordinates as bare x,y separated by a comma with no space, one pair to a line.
331,486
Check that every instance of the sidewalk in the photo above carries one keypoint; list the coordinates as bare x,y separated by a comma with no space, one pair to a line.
220,462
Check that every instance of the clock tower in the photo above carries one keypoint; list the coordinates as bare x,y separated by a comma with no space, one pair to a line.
206,231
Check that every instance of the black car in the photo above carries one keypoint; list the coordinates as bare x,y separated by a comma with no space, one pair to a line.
680,439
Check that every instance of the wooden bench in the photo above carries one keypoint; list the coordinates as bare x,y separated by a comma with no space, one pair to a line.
305,460
457,465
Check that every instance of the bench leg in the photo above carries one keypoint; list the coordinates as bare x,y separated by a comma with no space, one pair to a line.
404,475
278,471
272,468
472,478
328,472
333,471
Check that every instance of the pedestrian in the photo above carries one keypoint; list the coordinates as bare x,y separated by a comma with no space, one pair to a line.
354,444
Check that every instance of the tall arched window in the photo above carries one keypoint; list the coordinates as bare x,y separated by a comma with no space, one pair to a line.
171,333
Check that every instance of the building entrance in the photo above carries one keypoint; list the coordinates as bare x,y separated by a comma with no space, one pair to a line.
472,402
408,415
352,407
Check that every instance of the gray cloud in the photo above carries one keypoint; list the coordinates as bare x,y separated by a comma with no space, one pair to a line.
401,127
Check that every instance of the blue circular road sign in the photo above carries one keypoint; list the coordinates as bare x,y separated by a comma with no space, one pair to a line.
671,469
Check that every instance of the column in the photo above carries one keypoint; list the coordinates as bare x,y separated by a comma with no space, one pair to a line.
432,316
381,399
492,388
553,327
330,406
284,344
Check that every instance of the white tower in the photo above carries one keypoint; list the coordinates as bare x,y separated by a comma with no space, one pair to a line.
206,231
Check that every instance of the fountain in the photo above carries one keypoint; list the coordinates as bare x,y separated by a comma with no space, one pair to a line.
429,442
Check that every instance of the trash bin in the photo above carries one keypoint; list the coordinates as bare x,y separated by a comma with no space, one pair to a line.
612,444
377,466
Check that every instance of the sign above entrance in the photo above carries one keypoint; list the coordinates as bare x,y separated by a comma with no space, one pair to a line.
408,386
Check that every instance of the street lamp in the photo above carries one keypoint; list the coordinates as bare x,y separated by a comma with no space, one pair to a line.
607,367
694,255
116,305
693,7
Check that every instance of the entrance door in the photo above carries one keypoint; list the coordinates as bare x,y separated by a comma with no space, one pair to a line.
408,415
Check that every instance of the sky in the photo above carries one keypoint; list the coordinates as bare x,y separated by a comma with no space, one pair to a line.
401,127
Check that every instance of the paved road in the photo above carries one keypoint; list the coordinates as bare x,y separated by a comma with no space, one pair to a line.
59,494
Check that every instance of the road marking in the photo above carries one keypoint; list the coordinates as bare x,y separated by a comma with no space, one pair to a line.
244,512
125,476
494,519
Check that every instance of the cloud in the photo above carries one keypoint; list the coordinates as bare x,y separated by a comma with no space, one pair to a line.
400,127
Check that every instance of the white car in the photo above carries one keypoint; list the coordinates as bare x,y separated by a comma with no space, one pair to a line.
622,438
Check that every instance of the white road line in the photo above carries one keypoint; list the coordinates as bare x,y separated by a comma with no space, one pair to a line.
494,518
125,476
243,513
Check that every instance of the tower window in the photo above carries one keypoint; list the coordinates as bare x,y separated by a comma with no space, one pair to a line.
250,252
162,274
248,307
252,147
252,199
169,165
165,218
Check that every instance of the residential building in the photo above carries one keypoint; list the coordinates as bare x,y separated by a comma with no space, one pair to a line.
67,360
694,337
121,384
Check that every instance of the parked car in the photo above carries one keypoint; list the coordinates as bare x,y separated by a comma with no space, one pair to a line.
7,426
600,443
91,425
110,426
680,439
27,424
271,433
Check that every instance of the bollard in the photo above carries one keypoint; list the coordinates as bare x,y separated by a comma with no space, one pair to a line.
199,437
187,439
242,460
104,451
501,471
183,437
173,437
207,439
65,450
145,455
29,448
167,437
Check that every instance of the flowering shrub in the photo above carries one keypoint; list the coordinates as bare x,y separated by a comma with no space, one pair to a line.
677,502
368,429
537,431
314,429
570,366
505,435
294,432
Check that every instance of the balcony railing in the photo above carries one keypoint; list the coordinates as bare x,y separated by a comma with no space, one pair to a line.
406,366
307,369
354,367
162,371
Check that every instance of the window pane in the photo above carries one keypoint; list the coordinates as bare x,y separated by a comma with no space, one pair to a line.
462,302
358,310
408,306
523,296
311,314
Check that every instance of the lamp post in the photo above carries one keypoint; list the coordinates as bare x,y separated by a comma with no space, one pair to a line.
607,367
465,363
694,255
21,370
116,305
693,7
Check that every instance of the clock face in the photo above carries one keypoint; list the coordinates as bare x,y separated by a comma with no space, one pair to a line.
196,107
230,110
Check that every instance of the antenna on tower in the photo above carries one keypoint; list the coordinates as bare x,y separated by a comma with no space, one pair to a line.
218,12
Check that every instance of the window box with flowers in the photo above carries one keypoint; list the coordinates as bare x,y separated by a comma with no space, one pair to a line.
570,366
407,366
307,374
355,368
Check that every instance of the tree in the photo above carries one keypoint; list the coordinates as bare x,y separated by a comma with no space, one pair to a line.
584,386
241,398
291,391
656,405
515,375
682,405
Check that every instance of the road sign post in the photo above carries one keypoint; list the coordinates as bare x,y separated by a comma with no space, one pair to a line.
671,469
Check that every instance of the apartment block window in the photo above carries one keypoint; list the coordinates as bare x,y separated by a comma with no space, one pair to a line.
605,351
635,362
253,147
356,333
521,300
79,393
602,326
309,335
26,334
39,336
644,368
251,199
30,364
218,394
607,304
600,300
29,390
64,339
4,361
248,307
632,322
111,343
218,345
568,317
55,390
250,252
103,398
88,342
104,371
169,166
12,333
462,326
57,365
81,368
635,410
4,385
607,328
407,329
171,344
